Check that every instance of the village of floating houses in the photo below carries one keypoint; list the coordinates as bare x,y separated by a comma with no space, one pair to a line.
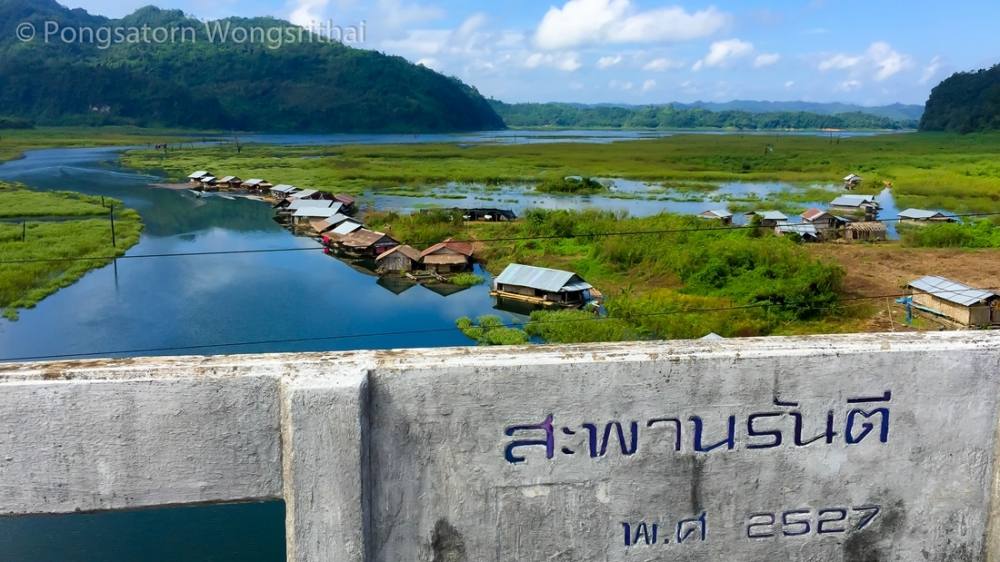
851,218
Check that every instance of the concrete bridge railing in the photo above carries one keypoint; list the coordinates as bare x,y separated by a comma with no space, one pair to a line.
875,447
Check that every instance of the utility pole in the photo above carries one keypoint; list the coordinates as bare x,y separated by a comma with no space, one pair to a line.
24,231
114,239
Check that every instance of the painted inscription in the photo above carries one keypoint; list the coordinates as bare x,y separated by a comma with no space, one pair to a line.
786,426
690,530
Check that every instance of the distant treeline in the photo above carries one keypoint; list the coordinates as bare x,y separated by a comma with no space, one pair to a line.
671,117
965,103
15,123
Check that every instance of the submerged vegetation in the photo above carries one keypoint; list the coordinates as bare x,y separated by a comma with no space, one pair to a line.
66,233
927,170
490,330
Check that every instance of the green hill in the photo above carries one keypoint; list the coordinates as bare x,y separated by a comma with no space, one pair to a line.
301,86
965,103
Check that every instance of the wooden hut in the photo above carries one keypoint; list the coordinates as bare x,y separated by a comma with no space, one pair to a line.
868,231
855,204
364,242
852,182
921,217
349,203
721,215
447,257
281,192
400,259
955,301
805,231
542,286
827,224
230,182
209,183
195,178
769,219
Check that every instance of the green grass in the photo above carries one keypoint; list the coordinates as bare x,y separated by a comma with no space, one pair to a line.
13,143
958,173
23,285
976,234
466,280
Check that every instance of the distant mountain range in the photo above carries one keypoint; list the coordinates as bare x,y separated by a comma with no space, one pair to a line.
966,102
301,86
896,111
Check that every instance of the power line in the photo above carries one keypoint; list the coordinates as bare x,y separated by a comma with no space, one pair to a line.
452,328
624,233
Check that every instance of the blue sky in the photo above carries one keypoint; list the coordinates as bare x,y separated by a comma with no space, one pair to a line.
650,51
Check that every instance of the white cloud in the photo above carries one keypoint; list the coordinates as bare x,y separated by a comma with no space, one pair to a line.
429,62
789,84
888,61
766,59
608,62
839,62
931,70
307,13
880,62
395,14
583,22
662,65
648,85
721,53
567,62
420,42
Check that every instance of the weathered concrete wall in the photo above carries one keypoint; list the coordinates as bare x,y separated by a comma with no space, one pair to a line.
815,449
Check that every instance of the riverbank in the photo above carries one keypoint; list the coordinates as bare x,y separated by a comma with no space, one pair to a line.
15,142
70,235
927,170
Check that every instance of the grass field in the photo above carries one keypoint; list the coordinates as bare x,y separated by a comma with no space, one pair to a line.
14,142
953,172
66,233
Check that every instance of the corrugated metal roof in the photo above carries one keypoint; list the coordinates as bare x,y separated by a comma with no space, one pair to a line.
304,193
314,212
801,229
315,204
773,215
281,188
551,280
853,200
951,291
346,228
919,214
253,181
409,251
198,175
813,214
718,213
228,179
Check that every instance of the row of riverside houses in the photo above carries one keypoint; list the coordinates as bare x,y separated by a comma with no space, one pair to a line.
818,224
331,217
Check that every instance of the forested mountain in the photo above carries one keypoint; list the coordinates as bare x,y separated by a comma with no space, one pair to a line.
673,117
301,86
965,103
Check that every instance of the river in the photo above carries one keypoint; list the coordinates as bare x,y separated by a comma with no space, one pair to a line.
260,302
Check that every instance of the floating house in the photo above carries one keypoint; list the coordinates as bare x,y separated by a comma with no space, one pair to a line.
195,178
826,223
721,215
867,231
313,194
257,184
855,203
806,231
327,224
282,191
487,215
956,301
921,216
400,259
447,257
852,182
769,219
542,286
364,242
208,183
349,203
307,214
232,182
290,206
334,236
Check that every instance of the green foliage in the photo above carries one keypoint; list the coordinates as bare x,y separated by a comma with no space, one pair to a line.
980,234
15,123
928,170
420,230
490,330
17,201
307,85
466,279
577,326
25,284
565,115
571,184
964,103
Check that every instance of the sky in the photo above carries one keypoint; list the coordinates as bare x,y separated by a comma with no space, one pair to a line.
870,52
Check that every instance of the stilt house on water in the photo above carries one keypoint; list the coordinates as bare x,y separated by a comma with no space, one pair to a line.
400,259
955,301
721,215
283,191
921,216
855,203
195,178
542,286
232,182
447,257
349,203
364,242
